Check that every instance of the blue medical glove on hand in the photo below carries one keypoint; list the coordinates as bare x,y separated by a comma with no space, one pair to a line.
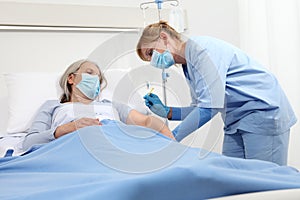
156,106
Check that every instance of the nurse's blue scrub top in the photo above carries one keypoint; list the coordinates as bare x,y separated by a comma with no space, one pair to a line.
249,96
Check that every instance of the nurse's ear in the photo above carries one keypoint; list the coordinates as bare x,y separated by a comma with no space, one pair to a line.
164,36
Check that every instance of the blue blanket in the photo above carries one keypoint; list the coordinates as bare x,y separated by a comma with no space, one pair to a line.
117,161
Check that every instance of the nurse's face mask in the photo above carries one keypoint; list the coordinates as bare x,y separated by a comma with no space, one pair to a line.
162,60
89,85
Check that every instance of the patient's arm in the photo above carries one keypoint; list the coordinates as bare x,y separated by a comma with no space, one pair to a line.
137,118
75,125
40,131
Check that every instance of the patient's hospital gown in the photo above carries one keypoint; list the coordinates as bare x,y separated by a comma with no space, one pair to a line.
53,114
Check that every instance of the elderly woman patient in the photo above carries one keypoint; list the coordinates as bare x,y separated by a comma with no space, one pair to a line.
82,83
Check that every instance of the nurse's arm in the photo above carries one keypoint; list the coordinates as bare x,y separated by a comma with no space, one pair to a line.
197,118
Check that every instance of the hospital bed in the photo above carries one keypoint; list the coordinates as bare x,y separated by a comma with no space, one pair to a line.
118,161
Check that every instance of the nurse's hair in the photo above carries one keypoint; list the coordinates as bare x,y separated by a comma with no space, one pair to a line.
73,68
152,33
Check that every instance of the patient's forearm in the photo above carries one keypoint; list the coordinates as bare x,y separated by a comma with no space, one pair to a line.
64,129
159,125
136,118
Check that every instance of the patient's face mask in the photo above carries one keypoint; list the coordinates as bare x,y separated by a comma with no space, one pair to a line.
89,85
162,60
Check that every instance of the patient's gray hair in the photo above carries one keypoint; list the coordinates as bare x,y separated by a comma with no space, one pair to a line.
73,68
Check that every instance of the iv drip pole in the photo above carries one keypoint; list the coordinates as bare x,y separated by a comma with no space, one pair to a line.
159,3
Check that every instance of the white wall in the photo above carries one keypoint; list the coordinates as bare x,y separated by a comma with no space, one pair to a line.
270,32
214,18
205,17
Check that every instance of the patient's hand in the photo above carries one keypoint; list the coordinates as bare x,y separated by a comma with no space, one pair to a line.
83,122
73,126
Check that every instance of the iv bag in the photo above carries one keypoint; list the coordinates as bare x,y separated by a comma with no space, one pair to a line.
176,19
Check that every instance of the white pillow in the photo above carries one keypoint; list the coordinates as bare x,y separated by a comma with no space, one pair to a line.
26,93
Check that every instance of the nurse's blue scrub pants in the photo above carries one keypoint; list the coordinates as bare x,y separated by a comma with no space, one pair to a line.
247,145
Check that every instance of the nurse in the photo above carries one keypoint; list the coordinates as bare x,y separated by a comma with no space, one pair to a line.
256,113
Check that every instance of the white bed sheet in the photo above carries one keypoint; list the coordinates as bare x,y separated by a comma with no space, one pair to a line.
11,142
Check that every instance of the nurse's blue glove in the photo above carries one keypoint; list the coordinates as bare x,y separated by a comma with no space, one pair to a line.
156,106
